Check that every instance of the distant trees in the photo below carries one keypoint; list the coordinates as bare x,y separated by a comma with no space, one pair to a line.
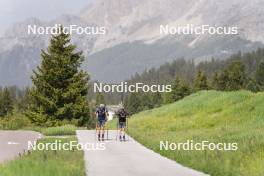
6,102
259,76
157,99
13,99
180,89
232,78
201,82
214,70
139,101
132,103
240,71
23,100
99,99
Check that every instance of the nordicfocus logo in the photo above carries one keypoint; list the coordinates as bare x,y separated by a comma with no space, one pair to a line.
71,29
204,145
124,87
69,146
191,29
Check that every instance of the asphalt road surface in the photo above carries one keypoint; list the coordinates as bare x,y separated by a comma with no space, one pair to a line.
14,142
128,159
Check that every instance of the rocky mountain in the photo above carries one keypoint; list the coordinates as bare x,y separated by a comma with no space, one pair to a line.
133,42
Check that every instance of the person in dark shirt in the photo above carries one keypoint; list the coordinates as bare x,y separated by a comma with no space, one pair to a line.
101,114
122,119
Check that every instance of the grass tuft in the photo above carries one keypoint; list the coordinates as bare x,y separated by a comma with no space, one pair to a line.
59,130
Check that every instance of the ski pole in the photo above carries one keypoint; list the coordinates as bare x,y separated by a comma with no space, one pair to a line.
95,131
107,131
116,129
127,130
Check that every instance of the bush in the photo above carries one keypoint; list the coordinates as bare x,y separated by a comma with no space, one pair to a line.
14,122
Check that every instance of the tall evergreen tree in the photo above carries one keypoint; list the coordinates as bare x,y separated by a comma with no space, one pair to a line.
60,88
201,81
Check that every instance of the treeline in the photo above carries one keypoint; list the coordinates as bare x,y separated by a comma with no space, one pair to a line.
240,71
12,99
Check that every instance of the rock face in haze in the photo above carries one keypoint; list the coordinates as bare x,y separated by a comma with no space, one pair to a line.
133,41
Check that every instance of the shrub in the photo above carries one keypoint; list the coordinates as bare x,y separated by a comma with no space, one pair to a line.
14,122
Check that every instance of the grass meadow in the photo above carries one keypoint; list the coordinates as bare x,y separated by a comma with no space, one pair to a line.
226,117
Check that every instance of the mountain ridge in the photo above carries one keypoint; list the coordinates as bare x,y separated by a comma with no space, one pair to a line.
135,23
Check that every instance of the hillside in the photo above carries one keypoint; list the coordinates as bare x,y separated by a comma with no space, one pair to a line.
228,117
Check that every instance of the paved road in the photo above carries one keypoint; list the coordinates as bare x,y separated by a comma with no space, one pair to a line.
14,142
128,159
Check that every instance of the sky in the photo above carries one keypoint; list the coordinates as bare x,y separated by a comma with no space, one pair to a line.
12,11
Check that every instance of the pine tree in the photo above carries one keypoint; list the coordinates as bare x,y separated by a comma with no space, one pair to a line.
232,78
180,89
214,81
201,81
6,103
236,76
259,76
223,81
59,90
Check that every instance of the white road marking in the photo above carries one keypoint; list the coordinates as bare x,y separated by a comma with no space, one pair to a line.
12,143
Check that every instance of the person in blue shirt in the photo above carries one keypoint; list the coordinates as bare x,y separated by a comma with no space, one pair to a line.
101,114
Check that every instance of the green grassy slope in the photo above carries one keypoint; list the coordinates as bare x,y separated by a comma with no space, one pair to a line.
209,116
47,163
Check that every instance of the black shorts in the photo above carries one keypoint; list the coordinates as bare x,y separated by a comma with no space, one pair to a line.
122,124
101,123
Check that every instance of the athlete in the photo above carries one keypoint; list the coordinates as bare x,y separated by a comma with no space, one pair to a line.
122,119
101,114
